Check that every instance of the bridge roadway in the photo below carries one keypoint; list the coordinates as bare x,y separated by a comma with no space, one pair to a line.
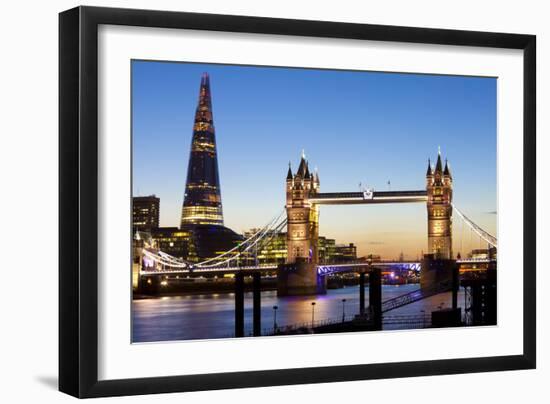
321,269
355,198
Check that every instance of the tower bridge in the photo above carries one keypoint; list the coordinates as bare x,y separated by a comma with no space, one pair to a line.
303,274
304,198
301,219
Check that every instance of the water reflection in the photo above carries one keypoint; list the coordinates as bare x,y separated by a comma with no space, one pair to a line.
208,316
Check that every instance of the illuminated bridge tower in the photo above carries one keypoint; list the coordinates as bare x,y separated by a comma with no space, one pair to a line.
439,187
438,266
303,218
299,275
202,204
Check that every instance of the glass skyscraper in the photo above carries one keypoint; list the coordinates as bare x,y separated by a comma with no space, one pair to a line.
202,203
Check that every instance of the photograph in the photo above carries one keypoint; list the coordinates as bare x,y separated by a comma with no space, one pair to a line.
251,203
285,201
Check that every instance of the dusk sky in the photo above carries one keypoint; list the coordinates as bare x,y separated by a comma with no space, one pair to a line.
356,127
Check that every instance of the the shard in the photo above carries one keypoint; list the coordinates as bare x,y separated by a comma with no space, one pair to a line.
202,203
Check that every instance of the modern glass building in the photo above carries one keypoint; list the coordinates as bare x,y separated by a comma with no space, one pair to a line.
202,204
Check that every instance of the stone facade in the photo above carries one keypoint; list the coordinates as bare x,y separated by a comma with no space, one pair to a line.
303,217
439,187
299,275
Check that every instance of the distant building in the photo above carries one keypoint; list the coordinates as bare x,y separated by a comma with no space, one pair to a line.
175,242
371,258
275,252
196,243
331,253
343,253
145,212
326,249
483,253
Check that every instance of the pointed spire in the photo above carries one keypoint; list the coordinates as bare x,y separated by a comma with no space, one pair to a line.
438,165
430,171
204,92
205,80
447,170
302,168
289,174
307,174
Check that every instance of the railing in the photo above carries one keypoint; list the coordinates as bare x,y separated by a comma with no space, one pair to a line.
262,267
329,269
306,326
422,321
415,296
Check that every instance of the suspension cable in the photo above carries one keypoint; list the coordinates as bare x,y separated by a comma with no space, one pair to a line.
490,239
274,220
277,228
173,262
159,259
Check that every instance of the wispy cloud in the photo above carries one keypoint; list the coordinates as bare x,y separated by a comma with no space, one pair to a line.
375,242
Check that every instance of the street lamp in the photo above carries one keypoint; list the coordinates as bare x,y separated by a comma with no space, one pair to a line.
275,319
312,314
343,310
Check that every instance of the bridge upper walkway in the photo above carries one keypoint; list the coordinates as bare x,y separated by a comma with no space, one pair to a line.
336,198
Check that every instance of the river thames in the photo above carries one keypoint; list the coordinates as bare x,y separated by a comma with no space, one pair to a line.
212,315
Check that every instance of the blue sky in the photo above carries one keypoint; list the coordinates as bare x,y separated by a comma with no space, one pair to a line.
366,127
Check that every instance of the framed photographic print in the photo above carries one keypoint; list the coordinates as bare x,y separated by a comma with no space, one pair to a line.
251,201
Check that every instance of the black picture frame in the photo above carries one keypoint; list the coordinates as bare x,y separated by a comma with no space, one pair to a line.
78,201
